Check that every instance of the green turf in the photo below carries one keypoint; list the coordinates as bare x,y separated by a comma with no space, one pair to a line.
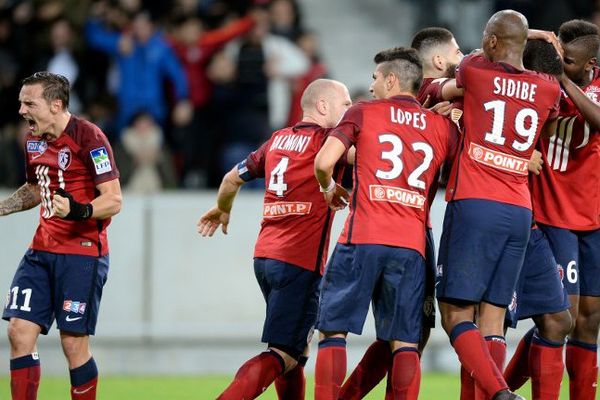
433,386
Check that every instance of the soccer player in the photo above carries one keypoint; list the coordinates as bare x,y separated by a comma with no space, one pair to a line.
440,55
540,293
291,249
400,146
570,217
488,217
72,174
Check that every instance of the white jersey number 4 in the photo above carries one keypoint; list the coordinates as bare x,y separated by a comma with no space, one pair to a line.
276,182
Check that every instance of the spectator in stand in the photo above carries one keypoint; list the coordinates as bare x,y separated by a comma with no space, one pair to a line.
309,44
195,47
285,19
144,59
147,166
265,65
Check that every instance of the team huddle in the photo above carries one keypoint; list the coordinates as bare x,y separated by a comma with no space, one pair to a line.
512,129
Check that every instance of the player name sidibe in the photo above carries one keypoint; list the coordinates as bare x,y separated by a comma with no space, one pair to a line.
403,117
515,88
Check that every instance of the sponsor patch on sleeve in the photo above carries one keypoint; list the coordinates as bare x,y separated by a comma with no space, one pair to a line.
101,160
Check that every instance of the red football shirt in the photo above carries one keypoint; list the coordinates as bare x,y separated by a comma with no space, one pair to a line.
77,161
431,91
505,109
432,88
400,147
296,219
566,194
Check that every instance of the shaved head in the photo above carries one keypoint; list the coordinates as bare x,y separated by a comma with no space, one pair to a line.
317,89
324,101
508,25
505,36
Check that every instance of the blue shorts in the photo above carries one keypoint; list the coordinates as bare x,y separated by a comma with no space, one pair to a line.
292,296
578,254
539,289
481,251
67,287
430,279
392,277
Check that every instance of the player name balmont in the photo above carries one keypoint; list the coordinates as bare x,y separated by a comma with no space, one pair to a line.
515,88
297,143
403,117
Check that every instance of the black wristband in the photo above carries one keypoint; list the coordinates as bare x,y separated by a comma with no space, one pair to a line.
78,211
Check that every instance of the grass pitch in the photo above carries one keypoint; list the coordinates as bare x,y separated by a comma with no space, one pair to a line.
433,387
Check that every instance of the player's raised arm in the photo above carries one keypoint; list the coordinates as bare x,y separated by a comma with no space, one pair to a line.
106,205
336,196
588,108
24,198
219,214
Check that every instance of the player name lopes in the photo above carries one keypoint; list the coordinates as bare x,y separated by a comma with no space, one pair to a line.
284,208
394,194
297,143
403,117
498,160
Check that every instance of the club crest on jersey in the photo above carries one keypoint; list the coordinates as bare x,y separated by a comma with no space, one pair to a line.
101,160
64,158
36,148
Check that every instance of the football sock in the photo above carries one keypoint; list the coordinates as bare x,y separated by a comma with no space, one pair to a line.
546,368
84,381
25,377
406,374
474,355
292,384
467,385
371,369
330,369
517,370
254,376
583,370
497,348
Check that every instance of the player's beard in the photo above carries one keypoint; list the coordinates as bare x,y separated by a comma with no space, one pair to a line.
451,70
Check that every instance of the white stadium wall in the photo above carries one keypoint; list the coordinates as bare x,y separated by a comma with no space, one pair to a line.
176,302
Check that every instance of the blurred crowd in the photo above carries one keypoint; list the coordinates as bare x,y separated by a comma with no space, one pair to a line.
184,89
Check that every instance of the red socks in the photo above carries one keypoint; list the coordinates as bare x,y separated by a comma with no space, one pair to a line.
474,355
467,385
546,367
582,366
25,377
517,370
330,370
292,384
371,369
254,376
406,374
84,381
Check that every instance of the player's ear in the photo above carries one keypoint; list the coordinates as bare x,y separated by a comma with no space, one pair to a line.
322,106
390,80
438,62
590,64
56,105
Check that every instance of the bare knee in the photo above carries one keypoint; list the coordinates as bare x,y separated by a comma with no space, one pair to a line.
23,336
555,327
75,348
587,325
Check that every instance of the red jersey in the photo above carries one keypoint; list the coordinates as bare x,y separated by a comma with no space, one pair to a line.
296,219
566,194
400,147
77,161
431,91
432,88
505,110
